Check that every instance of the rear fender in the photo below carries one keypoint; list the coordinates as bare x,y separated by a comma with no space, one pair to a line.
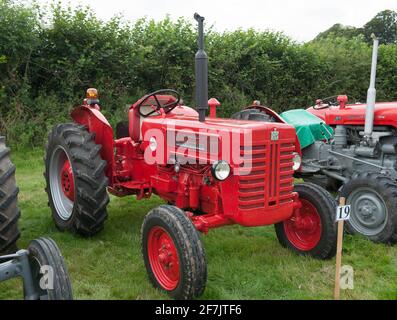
279,119
96,123
269,111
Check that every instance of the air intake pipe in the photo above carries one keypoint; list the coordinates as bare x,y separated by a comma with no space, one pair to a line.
201,70
371,96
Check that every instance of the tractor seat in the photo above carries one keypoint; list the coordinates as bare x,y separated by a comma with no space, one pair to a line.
122,130
136,119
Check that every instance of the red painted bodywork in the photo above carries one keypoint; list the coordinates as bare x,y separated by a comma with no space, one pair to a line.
305,231
354,114
261,196
67,180
94,120
213,103
342,101
163,258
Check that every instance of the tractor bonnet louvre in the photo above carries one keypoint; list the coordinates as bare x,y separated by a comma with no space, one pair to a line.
273,172
269,181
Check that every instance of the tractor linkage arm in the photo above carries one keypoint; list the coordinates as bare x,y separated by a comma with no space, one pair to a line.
17,265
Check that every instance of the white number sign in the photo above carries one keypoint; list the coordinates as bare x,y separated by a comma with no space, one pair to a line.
343,213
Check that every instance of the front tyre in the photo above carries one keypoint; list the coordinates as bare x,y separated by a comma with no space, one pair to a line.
311,230
45,260
173,253
76,180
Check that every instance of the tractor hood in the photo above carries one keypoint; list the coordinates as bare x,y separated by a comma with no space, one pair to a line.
354,114
214,139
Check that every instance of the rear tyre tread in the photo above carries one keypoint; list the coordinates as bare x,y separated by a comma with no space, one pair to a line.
9,211
91,198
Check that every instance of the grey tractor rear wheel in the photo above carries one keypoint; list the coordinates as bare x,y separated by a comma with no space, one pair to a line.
9,212
173,253
76,183
373,200
49,272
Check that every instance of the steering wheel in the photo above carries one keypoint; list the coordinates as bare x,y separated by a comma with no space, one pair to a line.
166,107
327,102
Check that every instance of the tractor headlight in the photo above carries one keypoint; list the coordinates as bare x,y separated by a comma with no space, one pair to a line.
220,170
297,161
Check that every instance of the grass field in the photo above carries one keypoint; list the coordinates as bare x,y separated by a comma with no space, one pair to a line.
243,263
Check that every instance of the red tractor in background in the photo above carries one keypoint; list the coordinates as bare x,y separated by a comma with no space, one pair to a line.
212,172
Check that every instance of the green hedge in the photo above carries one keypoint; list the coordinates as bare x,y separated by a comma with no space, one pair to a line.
48,59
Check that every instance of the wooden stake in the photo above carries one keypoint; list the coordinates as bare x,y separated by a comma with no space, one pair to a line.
342,202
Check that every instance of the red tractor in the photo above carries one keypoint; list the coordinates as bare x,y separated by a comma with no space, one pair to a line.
212,172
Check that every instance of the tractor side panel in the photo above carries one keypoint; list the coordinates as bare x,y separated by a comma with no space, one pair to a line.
96,123
385,114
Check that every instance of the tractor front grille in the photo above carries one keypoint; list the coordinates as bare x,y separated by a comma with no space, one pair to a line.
268,182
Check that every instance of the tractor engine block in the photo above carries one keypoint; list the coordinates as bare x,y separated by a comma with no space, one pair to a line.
347,154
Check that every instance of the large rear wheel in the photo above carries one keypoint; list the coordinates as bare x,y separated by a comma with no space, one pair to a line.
9,212
173,253
76,180
373,206
312,229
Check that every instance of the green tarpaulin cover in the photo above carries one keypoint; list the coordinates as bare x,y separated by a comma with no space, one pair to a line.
309,128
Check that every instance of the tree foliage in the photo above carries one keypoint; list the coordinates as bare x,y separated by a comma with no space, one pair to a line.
383,25
340,30
48,59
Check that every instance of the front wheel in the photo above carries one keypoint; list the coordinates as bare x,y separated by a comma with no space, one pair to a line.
311,230
173,253
49,273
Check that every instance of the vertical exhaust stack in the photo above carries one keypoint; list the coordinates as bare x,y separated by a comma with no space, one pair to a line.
371,96
201,69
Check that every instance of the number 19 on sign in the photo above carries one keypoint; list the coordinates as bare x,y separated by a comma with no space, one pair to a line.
343,213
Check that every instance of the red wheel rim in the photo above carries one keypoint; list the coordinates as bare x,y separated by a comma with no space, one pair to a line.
67,180
303,229
163,258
